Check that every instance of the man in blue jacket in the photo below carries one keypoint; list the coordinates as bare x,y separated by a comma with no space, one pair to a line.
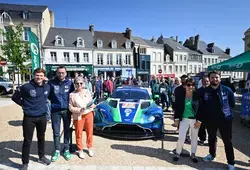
216,105
32,97
60,87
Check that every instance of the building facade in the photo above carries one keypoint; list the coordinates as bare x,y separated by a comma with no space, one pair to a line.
113,54
72,48
35,18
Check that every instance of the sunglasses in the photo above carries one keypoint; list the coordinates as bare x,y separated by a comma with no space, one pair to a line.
79,83
189,85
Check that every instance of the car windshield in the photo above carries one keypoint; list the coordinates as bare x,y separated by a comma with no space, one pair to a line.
131,94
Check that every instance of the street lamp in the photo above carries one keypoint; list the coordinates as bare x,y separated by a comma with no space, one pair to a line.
3,15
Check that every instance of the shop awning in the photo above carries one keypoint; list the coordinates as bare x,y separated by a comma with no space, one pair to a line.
239,63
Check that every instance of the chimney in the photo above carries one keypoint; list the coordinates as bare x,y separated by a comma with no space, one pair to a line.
153,39
91,28
197,42
227,51
176,38
210,45
128,33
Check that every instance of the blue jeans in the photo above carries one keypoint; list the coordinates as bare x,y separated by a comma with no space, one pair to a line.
56,124
48,115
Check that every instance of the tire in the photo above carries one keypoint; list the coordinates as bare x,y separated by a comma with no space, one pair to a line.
2,90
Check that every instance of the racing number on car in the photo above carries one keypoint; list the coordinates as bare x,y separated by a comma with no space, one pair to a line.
128,105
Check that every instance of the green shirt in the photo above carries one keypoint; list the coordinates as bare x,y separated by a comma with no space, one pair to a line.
188,111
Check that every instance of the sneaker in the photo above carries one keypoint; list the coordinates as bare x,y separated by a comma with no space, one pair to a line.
209,158
187,140
91,153
67,155
25,167
55,156
201,143
44,160
194,159
175,158
231,167
81,154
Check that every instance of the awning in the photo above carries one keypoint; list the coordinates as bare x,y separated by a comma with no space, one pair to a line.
240,63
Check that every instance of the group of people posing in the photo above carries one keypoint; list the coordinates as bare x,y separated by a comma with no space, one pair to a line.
194,110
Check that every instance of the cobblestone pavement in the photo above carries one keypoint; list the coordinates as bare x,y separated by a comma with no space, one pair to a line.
117,154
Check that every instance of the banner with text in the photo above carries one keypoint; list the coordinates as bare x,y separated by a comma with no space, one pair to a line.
34,50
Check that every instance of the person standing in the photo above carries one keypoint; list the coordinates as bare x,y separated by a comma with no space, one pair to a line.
61,87
139,81
98,88
164,94
216,105
185,117
32,98
202,131
83,116
88,84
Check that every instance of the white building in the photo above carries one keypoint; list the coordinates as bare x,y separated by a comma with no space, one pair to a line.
72,48
113,54
211,54
179,59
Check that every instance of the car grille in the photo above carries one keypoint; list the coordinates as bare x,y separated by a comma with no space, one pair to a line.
126,129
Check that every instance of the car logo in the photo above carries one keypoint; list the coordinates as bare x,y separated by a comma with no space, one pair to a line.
34,49
127,111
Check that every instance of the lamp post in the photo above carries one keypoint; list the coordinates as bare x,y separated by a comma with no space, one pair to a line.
4,15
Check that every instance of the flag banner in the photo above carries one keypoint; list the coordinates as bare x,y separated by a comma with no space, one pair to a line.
34,50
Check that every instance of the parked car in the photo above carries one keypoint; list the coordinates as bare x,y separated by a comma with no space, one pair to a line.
129,113
6,86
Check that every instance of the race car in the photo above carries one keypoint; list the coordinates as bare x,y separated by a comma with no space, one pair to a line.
129,113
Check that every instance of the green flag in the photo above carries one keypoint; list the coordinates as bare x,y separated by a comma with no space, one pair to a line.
34,50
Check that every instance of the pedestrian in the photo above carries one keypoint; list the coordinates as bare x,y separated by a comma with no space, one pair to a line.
216,105
88,84
139,81
32,98
185,117
61,87
156,92
164,94
177,83
202,131
83,116
98,88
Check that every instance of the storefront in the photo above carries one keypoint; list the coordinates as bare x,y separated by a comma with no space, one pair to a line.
144,67
110,71
144,75
86,70
165,75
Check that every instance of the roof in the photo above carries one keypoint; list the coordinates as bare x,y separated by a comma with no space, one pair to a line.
107,38
20,7
248,30
153,44
176,46
69,36
15,11
217,51
139,41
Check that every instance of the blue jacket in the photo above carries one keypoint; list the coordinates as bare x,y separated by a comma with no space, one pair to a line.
98,86
227,102
59,94
33,98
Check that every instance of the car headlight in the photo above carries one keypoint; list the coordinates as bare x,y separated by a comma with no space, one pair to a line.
151,119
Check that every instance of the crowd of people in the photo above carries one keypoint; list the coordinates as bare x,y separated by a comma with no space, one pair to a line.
60,99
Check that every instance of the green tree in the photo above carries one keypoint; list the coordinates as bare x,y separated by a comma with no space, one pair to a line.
15,50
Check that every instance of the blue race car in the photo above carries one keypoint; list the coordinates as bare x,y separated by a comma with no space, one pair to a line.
129,113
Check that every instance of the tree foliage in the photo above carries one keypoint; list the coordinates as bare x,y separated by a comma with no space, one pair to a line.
15,50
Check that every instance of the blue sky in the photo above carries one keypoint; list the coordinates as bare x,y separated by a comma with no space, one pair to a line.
221,21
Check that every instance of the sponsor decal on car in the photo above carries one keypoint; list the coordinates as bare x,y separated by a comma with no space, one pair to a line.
128,105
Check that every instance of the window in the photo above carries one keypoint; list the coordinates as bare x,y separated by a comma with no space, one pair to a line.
80,42
165,69
128,44
154,57
118,59
142,50
59,40
86,57
100,59
99,43
176,57
212,61
154,69
170,69
180,57
216,60
109,59
209,59
199,69
143,65
205,60
25,15
128,59
114,44
176,69
195,69
159,57
185,57
185,69
26,33
159,67
76,57
147,65
180,69
53,56
66,56
190,69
